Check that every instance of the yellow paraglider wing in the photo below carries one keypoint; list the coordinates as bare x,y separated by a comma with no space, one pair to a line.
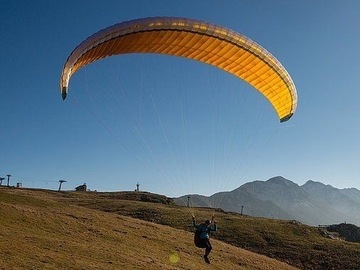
208,43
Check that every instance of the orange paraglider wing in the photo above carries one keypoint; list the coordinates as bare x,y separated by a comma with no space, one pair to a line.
193,39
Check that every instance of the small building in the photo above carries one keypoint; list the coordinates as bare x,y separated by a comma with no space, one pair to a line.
81,188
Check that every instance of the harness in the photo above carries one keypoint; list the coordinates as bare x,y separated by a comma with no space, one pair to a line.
200,243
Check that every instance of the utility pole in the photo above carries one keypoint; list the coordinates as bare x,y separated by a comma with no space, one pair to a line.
61,181
8,180
1,179
188,201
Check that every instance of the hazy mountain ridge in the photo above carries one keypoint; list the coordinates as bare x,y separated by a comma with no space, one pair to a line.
313,203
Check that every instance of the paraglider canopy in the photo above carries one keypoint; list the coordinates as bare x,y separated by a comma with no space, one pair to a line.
193,39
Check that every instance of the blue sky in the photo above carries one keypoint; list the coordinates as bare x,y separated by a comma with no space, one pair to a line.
174,125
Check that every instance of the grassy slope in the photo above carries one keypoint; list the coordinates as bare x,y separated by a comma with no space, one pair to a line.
297,244
66,229
49,230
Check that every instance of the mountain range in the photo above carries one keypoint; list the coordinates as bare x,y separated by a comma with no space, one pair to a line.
313,203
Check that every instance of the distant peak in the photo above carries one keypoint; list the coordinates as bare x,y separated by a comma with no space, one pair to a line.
312,182
316,183
279,180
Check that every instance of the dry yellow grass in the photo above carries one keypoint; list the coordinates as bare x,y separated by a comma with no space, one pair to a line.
39,232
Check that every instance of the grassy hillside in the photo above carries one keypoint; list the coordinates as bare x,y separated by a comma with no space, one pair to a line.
71,230
42,230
